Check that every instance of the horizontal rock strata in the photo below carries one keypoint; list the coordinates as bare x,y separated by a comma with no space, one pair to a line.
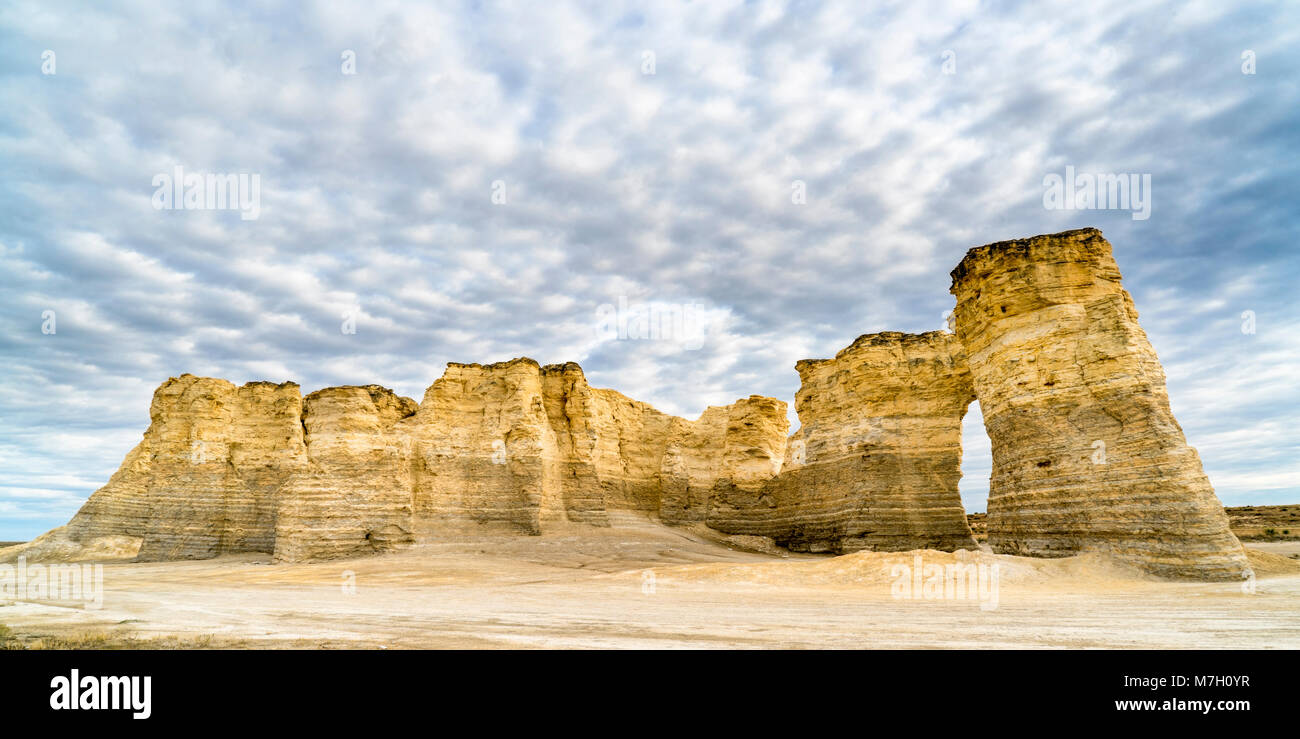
207,476
352,494
1086,453
877,459
352,470
520,444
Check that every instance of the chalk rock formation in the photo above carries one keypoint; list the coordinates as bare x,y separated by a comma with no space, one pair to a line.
205,479
876,461
521,444
355,470
483,447
1086,453
352,494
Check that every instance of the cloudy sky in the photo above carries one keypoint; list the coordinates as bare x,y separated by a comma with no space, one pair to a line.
474,181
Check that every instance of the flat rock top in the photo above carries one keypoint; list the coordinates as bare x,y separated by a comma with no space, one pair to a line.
885,338
980,253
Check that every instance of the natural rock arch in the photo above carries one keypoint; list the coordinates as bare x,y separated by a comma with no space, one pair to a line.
1086,453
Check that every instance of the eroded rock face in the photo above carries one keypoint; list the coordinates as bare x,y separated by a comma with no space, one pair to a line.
876,462
521,444
205,479
352,496
481,442
355,470
1086,453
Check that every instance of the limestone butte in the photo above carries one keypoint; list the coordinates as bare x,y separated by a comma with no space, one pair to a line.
876,461
353,470
205,479
1086,453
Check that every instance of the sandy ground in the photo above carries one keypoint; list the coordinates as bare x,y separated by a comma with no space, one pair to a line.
656,587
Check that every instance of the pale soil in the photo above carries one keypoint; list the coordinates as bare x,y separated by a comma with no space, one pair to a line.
589,589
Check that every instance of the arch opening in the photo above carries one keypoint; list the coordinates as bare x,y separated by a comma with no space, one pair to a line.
976,467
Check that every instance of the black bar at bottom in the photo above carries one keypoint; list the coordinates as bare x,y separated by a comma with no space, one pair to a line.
763,690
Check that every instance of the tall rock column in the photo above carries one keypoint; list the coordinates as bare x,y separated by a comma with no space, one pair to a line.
483,449
1086,453
752,454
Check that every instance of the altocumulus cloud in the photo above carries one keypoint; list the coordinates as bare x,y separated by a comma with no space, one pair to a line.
645,153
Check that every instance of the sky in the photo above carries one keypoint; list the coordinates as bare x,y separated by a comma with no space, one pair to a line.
478,181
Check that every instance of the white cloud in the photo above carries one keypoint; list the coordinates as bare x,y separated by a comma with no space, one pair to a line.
672,187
